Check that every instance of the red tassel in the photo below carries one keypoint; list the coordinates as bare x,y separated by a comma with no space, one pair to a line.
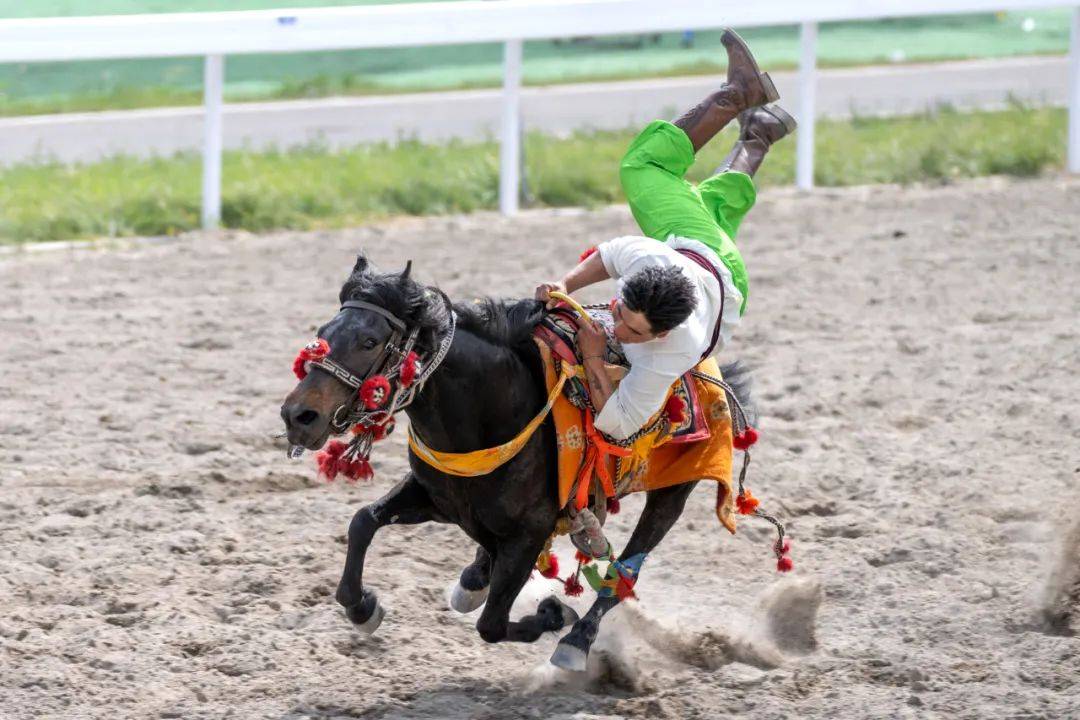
375,392
408,369
624,589
675,409
314,350
785,549
613,506
359,469
582,558
572,586
552,568
329,460
745,439
784,564
587,254
746,503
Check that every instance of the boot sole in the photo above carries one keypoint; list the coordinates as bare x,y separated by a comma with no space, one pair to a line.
783,116
771,93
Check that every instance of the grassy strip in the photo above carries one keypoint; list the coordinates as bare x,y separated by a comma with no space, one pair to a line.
313,187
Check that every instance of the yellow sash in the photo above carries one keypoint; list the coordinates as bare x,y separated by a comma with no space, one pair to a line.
487,460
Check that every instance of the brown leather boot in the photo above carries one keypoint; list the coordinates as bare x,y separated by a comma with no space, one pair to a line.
746,87
759,129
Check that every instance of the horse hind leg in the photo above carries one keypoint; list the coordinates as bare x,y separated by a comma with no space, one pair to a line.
662,509
471,589
513,562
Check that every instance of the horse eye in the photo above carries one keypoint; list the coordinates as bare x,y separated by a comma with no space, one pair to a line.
369,344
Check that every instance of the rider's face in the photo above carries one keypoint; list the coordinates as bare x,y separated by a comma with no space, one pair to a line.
631,327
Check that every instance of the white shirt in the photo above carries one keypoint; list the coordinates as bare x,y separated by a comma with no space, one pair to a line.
657,363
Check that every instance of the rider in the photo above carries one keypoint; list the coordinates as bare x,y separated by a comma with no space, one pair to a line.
683,288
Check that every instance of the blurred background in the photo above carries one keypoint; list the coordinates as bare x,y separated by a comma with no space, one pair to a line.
895,96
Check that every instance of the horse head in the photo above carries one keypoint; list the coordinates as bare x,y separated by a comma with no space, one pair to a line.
383,317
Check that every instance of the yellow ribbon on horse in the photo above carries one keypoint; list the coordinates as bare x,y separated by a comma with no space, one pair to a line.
487,460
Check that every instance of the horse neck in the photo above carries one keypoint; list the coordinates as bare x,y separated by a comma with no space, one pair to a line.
479,394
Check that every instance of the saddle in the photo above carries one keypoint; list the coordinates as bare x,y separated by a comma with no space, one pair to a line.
558,331
697,447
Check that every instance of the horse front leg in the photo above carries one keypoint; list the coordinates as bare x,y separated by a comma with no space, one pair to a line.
471,589
513,562
662,509
406,504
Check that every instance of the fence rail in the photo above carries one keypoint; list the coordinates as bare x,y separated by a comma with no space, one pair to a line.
217,35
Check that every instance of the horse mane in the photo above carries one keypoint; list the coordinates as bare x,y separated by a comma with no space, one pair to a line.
505,323
502,322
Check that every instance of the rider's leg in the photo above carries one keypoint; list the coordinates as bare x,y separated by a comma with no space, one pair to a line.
746,87
651,172
730,193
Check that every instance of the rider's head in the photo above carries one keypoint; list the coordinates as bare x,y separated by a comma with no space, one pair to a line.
653,301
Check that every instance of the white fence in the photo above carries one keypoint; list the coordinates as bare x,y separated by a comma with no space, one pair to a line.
215,35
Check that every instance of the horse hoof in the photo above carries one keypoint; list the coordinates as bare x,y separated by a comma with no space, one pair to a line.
465,601
367,615
568,657
555,614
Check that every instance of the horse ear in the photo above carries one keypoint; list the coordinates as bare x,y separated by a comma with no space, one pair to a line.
405,273
361,264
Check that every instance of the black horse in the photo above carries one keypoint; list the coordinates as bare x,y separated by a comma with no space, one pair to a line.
490,384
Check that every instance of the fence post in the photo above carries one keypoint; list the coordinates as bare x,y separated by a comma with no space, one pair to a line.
213,98
804,138
1074,94
510,147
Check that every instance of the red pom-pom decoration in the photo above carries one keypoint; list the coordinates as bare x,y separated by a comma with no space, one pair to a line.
613,506
746,503
745,439
572,586
375,392
409,367
582,558
587,254
552,570
357,470
785,548
675,409
314,350
329,460
784,564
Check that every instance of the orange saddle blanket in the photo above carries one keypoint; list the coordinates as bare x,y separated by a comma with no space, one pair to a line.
698,448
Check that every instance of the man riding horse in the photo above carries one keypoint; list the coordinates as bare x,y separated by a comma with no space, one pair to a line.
489,462
680,298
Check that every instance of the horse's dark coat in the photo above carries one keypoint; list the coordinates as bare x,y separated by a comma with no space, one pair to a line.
488,387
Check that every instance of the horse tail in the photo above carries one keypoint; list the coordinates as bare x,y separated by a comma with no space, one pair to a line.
737,375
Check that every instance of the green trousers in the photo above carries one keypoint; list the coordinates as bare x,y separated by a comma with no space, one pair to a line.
664,203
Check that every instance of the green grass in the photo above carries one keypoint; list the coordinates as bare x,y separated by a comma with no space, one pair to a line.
313,187
95,85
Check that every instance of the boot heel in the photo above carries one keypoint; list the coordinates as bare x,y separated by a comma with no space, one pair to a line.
771,93
782,115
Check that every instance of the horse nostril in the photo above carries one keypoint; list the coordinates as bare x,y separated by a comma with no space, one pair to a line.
306,417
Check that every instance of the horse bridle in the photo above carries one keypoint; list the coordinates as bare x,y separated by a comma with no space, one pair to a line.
395,351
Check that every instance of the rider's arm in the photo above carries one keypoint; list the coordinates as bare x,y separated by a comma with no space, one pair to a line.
589,271
600,386
639,396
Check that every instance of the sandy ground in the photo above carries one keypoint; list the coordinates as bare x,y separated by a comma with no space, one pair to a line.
916,359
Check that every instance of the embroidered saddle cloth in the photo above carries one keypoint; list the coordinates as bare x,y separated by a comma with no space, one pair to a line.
698,448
